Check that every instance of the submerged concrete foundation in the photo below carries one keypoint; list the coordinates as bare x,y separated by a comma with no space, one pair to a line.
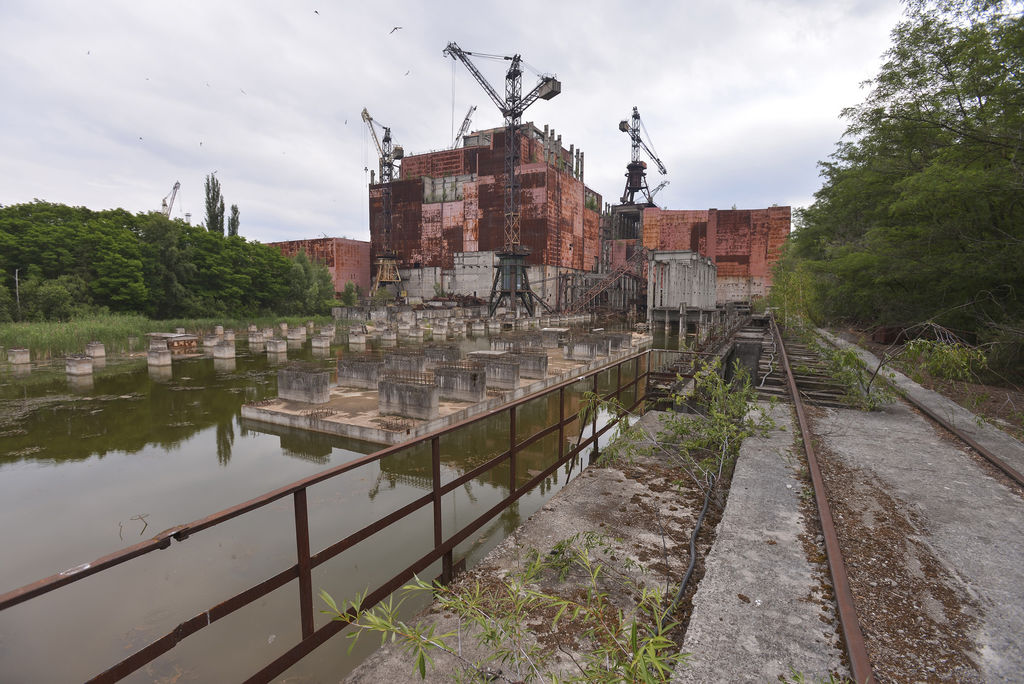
96,350
408,397
364,373
461,381
19,357
78,364
300,383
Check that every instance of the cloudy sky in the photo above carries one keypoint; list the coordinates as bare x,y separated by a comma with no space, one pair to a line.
108,103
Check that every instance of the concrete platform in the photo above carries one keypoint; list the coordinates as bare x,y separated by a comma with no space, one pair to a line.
760,610
347,412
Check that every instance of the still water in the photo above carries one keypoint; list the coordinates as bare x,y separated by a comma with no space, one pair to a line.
90,468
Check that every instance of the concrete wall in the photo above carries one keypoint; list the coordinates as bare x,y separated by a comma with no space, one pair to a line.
305,385
357,372
680,279
411,400
460,383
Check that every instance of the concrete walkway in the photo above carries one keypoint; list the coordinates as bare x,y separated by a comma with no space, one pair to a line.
1003,445
759,612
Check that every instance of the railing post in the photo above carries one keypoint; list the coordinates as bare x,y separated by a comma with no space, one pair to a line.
435,476
561,423
305,569
512,450
595,452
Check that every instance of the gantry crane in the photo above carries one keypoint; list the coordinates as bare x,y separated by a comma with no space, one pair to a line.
636,170
386,262
166,204
511,281
464,128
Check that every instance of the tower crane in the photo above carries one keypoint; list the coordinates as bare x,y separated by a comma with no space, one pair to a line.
511,282
388,153
166,204
464,128
636,170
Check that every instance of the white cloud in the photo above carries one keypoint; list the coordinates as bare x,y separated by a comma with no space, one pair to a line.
741,97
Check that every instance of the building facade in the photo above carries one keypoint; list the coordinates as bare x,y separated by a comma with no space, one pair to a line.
346,259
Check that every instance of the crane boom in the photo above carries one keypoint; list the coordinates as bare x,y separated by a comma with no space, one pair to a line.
167,204
464,128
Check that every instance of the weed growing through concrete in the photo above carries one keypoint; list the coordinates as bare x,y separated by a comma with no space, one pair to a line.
621,647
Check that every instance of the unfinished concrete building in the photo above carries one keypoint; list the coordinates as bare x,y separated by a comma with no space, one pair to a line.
743,243
346,259
681,285
449,204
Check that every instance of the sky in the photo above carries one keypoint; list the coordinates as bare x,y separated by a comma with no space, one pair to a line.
108,103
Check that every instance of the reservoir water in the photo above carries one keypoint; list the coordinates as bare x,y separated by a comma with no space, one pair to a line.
90,468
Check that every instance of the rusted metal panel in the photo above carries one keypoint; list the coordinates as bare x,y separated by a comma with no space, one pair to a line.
743,243
346,259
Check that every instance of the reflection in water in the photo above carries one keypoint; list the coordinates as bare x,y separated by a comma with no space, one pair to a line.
81,384
99,362
160,373
225,440
277,357
21,368
224,365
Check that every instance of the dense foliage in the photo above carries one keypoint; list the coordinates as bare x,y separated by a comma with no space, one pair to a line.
921,214
72,260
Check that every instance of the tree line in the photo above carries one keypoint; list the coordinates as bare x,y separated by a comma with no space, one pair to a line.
921,212
57,262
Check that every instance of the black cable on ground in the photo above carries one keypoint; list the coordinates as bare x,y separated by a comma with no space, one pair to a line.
693,547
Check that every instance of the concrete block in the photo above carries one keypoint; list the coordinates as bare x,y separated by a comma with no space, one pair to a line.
158,357
305,384
19,357
229,335
533,364
96,350
179,331
502,368
211,341
552,337
476,328
405,362
277,347
461,381
158,344
408,399
437,355
493,327
355,371
252,329
298,333
321,342
218,330
78,364
224,350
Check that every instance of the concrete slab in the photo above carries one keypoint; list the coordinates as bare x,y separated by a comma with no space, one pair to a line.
1000,443
760,610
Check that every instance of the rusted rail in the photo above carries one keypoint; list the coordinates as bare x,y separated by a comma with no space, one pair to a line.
860,664
626,374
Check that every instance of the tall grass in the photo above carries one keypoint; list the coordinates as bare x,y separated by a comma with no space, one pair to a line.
121,333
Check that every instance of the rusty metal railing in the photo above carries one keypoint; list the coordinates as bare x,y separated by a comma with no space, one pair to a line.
306,560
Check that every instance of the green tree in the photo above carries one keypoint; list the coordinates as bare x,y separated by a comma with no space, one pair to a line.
214,206
919,217
350,295
311,289
233,221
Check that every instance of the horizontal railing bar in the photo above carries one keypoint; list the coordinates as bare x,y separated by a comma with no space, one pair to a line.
368,531
165,643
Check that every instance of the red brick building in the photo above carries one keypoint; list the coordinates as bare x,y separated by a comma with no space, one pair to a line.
743,243
453,201
345,258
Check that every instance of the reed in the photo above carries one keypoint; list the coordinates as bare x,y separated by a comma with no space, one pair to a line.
121,333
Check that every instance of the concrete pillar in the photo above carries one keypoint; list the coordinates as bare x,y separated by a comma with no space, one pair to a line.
477,328
298,333
461,382
284,329
493,327
416,334
179,331
224,350
408,399
363,373
253,328
218,330
157,357
306,385
389,338
255,339
276,346
321,342
229,335
533,364
78,364
268,334
18,356
96,350
210,341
